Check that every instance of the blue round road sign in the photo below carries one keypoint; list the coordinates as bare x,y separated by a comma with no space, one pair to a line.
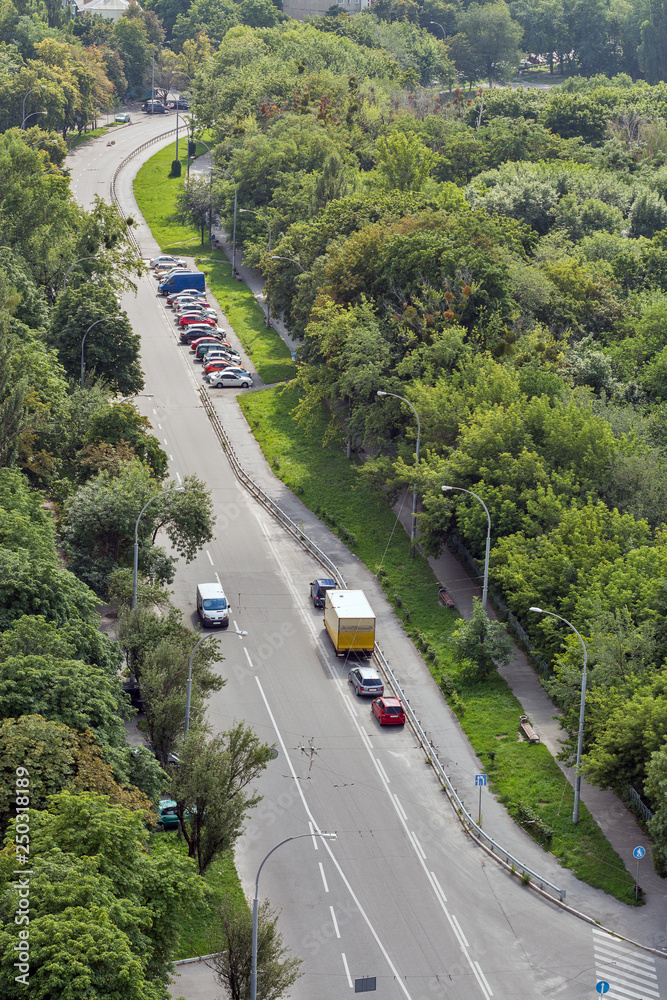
639,853
602,987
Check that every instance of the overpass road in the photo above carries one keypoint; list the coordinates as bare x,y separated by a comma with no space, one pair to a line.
402,895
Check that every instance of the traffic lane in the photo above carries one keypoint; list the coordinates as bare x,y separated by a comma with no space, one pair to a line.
93,164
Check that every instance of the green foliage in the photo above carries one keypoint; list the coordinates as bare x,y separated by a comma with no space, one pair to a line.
480,644
403,161
210,788
231,943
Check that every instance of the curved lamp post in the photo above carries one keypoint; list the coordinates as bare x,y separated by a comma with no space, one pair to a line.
23,114
291,260
224,171
413,529
27,117
582,709
93,257
444,33
255,904
485,588
83,341
251,211
174,489
185,120
188,690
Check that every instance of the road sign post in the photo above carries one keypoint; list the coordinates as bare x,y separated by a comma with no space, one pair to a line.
480,781
638,854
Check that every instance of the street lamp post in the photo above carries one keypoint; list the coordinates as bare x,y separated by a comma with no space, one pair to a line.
174,489
291,260
185,120
234,232
582,710
32,115
83,341
413,529
251,211
255,904
93,257
485,588
23,115
444,33
188,690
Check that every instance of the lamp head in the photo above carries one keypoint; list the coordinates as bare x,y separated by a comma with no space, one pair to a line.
381,393
539,610
329,836
445,488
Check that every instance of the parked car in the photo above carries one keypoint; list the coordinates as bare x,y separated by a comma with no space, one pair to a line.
204,347
190,304
190,319
389,711
174,296
218,364
366,680
154,108
180,105
167,260
123,118
208,340
217,352
168,819
225,366
318,589
198,330
195,310
228,380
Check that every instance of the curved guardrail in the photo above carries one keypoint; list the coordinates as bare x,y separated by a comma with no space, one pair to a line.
130,156
264,498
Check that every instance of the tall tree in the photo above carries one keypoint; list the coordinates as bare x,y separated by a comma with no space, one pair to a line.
653,48
210,788
231,945
494,38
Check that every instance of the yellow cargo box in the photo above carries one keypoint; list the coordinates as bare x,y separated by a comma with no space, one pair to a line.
350,621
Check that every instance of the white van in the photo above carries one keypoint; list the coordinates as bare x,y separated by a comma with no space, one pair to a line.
212,605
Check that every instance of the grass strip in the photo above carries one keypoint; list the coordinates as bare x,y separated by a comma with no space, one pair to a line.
525,778
156,193
221,881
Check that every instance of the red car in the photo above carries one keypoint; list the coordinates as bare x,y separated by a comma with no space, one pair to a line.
388,711
191,318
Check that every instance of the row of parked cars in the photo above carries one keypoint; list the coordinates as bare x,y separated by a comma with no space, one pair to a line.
197,324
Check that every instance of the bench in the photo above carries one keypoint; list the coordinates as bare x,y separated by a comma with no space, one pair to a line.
445,599
528,730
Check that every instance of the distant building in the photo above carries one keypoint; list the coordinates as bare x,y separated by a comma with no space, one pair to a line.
111,9
301,9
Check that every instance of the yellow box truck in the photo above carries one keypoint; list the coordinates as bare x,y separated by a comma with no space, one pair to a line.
349,620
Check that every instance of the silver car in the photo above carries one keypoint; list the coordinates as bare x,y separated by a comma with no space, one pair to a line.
366,680
228,380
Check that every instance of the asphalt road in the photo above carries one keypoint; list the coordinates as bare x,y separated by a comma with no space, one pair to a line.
402,895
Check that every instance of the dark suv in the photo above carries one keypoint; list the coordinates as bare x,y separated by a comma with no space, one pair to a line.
154,108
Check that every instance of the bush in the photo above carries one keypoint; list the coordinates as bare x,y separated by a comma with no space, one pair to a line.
175,168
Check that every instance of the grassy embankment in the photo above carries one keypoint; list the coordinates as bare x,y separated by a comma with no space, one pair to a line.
156,193
522,776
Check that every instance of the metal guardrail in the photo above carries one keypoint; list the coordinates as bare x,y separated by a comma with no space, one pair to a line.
468,823
264,498
466,819
135,152
639,803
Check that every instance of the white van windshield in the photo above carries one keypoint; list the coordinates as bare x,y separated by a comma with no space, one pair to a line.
215,604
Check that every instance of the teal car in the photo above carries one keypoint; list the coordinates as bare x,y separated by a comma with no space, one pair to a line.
167,812
123,119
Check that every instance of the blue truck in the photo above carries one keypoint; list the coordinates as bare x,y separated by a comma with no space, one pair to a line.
182,281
